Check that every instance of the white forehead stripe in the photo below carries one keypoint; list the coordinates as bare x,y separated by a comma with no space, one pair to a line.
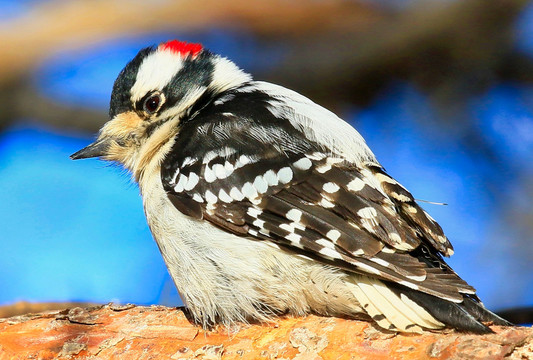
155,72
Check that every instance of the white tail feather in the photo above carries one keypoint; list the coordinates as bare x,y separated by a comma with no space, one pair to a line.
367,305
399,312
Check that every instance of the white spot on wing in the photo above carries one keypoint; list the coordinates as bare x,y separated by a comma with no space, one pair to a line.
209,175
395,237
356,185
196,197
369,269
293,237
323,168
242,160
229,168
188,161
259,223
173,181
285,175
330,187
236,194
303,164
326,203
210,197
191,183
400,197
223,195
333,235
380,262
271,178
254,212
329,253
367,213
388,250
260,184
249,191
220,171
181,183
411,209
323,242
294,215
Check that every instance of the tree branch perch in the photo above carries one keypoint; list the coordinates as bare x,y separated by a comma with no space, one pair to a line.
157,332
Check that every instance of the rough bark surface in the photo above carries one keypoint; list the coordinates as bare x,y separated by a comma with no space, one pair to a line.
157,332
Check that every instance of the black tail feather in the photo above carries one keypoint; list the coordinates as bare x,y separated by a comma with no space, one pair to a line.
465,316
478,311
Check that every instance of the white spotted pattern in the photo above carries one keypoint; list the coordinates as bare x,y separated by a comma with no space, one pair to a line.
395,237
323,168
294,237
242,160
290,227
260,184
220,171
192,182
210,197
196,197
294,215
271,178
380,262
333,235
324,243
249,191
326,203
223,195
259,223
303,164
330,187
236,194
209,175
356,185
367,213
229,167
181,183
285,175
254,212
330,253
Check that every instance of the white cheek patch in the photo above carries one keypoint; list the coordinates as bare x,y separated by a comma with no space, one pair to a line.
155,73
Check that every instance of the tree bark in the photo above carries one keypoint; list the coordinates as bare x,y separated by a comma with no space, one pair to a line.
157,332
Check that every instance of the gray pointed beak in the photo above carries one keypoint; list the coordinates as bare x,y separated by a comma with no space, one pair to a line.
96,149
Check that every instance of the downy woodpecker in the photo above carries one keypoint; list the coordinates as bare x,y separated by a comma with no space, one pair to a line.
264,203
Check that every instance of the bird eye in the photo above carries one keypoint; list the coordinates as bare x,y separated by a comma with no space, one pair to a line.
151,105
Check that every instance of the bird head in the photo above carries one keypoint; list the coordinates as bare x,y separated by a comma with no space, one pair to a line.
159,88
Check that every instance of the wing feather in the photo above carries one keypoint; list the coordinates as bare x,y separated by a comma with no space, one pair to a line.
353,216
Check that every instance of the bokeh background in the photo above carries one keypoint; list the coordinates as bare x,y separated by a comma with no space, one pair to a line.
441,90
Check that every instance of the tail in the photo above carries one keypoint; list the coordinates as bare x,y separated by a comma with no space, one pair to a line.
398,308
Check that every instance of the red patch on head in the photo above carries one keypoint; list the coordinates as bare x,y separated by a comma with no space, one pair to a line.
182,48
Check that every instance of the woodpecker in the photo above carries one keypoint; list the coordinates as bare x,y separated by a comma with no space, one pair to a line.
264,203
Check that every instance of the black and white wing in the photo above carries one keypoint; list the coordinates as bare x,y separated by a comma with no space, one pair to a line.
266,180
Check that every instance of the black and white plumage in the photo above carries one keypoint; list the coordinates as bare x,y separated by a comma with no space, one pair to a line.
263,203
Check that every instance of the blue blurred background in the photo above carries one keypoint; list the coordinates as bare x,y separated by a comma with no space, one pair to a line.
75,231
